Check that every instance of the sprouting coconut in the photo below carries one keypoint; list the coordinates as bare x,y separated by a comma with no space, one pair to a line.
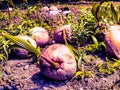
112,40
23,53
44,9
112,35
40,35
58,34
60,54
53,8
56,61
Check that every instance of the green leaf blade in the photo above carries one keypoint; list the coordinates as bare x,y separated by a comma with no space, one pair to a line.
22,43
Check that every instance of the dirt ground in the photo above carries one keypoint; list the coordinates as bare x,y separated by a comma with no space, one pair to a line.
24,74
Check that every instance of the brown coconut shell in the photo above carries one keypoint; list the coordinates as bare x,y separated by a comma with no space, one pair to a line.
61,54
112,41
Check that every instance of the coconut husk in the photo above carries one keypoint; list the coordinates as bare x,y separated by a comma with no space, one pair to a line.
112,41
61,54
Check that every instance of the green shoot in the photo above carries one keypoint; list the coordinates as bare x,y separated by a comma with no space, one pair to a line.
26,45
83,74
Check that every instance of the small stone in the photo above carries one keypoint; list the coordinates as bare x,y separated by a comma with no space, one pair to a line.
24,76
8,70
51,86
2,83
18,65
26,67
45,88
14,77
4,78
32,72
16,82
81,88
53,42
9,81
10,9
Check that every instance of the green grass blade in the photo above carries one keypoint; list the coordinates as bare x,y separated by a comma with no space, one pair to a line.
79,61
72,49
96,10
118,14
95,41
114,13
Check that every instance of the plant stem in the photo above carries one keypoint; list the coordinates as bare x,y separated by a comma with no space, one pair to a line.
9,14
53,63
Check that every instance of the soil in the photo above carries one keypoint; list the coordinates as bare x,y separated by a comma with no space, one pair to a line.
24,74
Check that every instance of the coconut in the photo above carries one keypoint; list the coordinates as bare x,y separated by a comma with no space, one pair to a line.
53,8
23,53
61,54
112,41
44,9
40,35
53,12
58,34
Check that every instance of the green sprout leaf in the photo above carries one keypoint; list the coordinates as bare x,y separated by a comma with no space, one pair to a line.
22,43
118,15
26,45
96,10
72,49
95,42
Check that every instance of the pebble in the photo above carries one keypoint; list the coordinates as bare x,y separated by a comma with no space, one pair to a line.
51,86
2,83
26,67
18,65
45,88
24,76
16,82
8,70
4,78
